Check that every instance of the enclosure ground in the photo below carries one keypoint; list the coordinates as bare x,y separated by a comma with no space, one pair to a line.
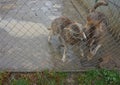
23,36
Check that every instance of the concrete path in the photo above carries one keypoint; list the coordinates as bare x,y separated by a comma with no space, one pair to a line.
23,34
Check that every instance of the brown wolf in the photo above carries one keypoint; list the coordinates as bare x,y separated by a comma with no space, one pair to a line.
69,33
95,29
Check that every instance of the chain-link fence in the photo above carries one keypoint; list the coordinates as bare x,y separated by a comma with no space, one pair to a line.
109,51
23,35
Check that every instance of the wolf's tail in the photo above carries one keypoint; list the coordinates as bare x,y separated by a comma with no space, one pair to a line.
98,4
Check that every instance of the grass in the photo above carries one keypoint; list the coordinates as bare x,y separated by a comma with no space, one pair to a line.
91,77
99,77
51,78
4,77
38,78
20,81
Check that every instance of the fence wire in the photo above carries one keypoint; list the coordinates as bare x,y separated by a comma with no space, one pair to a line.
23,35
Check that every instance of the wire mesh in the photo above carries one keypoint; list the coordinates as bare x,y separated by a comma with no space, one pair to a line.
23,35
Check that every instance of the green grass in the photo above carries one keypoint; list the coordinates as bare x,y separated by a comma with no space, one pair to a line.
51,78
99,77
20,81
1,78
40,78
91,77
